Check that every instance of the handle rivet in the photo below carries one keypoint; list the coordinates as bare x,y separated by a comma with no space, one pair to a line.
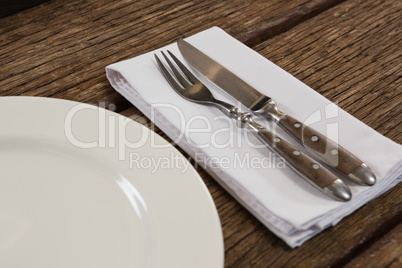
297,125
314,138
334,151
296,153
316,166
276,139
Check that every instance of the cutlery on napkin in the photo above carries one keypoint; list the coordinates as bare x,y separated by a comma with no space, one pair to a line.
262,105
320,176
289,207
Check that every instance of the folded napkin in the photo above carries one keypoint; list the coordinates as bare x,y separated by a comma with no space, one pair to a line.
290,207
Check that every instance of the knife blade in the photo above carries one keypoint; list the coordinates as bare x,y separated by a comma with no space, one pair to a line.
329,151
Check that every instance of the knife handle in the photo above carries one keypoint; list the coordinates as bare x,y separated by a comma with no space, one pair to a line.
301,163
329,151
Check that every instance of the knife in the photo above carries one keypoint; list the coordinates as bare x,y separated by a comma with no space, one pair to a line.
329,151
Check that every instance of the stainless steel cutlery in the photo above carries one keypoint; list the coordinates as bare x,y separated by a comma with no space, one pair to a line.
190,88
329,151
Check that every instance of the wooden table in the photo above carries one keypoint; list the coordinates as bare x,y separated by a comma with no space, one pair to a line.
349,51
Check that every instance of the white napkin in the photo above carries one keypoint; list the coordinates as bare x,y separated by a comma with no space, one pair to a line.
290,207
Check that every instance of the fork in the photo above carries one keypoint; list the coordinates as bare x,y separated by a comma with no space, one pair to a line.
190,88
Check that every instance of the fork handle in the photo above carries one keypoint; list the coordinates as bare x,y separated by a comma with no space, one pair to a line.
309,169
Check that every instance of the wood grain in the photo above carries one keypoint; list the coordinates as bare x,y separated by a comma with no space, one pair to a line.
260,32
349,51
249,244
60,50
351,55
386,252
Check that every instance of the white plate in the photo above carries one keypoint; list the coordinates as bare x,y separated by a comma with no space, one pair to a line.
109,205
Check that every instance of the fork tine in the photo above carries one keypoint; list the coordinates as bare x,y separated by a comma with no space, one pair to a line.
179,76
168,76
184,69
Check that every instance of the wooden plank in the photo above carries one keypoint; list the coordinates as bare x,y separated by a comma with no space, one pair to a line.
249,244
60,50
352,56
386,252
259,33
